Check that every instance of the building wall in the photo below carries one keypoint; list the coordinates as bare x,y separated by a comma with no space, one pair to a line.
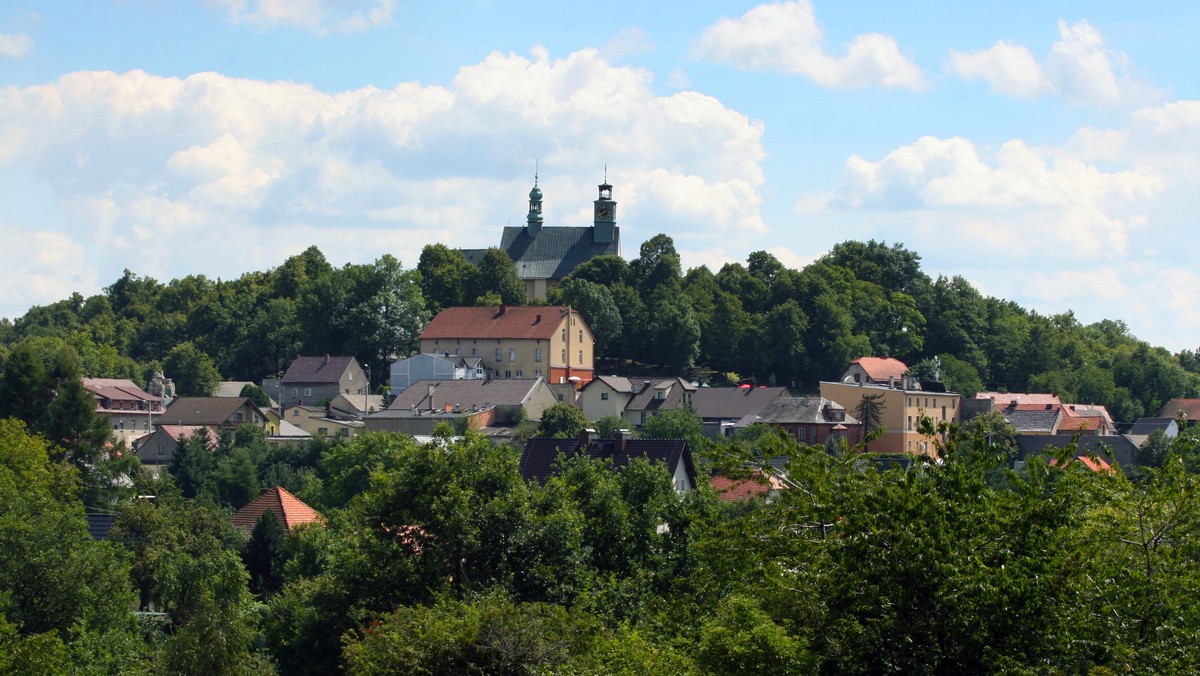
901,411
352,381
407,371
570,351
594,404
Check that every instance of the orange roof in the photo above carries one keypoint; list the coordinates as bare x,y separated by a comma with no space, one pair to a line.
290,509
178,432
1081,423
1021,398
731,490
495,322
881,368
1094,463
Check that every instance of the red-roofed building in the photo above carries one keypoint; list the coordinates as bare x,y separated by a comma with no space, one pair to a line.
130,410
753,488
875,371
289,509
552,342
1093,462
158,447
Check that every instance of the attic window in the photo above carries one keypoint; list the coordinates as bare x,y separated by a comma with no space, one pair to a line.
661,394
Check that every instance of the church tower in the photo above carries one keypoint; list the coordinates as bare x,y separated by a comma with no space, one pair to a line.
605,220
533,222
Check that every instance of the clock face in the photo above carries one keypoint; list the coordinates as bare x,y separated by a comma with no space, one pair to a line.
603,212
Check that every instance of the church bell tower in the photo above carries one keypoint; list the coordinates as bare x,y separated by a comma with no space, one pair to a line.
605,220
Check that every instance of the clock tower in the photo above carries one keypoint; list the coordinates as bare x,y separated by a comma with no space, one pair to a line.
605,219
533,222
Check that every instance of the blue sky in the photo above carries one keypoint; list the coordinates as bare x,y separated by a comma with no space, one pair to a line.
1045,151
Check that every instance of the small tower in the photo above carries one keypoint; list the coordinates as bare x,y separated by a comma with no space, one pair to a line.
605,221
533,222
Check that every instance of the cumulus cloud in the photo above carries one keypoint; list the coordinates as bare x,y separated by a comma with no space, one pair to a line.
317,16
15,45
786,37
40,267
1079,68
210,174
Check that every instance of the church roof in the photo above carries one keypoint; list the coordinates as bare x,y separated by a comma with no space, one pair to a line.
555,252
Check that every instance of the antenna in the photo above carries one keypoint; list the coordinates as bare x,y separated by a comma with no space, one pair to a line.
606,172
535,172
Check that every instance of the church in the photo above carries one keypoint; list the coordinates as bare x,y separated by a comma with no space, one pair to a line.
544,254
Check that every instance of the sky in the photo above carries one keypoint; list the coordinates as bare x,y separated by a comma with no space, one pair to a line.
1049,153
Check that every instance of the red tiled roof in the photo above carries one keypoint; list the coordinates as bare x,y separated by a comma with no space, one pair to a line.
117,389
1071,423
732,490
1022,398
1190,408
495,322
881,368
1094,463
291,510
178,432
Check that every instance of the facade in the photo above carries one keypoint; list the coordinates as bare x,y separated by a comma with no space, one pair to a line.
652,397
220,412
442,366
605,396
313,380
130,410
901,411
812,420
545,254
540,454
478,403
553,342
318,421
158,447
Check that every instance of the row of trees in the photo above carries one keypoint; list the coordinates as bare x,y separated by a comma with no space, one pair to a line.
759,321
439,558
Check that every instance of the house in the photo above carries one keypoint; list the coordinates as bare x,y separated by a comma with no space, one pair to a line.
605,396
540,455
901,407
875,371
220,412
758,486
322,422
545,254
1042,414
129,409
158,448
356,405
1187,409
731,404
811,420
289,509
552,342
442,366
478,403
313,380
652,397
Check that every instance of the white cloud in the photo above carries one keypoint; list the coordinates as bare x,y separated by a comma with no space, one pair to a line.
1079,68
40,267
629,40
317,16
15,45
212,174
785,37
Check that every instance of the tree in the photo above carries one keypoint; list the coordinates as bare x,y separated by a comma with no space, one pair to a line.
679,423
256,394
869,412
607,426
598,308
498,274
192,370
675,335
447,278
562,421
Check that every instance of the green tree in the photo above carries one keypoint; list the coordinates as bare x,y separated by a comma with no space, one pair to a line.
869,412
679,423
447,278
598,308
192,370
562,421
498,275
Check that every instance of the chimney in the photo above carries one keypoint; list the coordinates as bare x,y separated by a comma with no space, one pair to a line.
448,408
537,319
327,359
587,437
645,385
431,387
503,308
621,440
891,382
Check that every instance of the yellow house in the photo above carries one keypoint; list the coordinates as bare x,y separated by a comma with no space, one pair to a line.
901,410
551,342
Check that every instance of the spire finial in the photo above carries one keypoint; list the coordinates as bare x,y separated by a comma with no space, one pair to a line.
606,172
535,172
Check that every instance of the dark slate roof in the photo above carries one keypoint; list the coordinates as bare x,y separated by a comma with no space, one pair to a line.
100,524
1143,426
732,403
618,383
556,251
1117,448
317,369
1032,421
797,410
203,410
537,460
645,399
465,394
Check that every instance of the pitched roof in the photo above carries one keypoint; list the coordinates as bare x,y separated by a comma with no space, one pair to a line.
492,322
879,369
465,394
1027,421
732,403
645,396
554,253
537,460
1003,399
1145,426
290,510
619,383
99,524
324,369
797,410
117,389
758,485
204,410
1190,408
178,432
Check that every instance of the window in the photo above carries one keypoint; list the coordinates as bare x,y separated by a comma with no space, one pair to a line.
347,390
162,450
457,352
564,335
295,412
910,422
520,374
537,354
581,357
643,416
121,423
512,354
537,373
564,356
604,396
499,355
910,401
473,352
308,391
295,391
560,397
323,431
238,417
943,413
801,433
581,335
508,374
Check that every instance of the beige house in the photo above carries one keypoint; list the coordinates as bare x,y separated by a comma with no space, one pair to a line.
552,342
316,420
605,396
129,409
901,411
